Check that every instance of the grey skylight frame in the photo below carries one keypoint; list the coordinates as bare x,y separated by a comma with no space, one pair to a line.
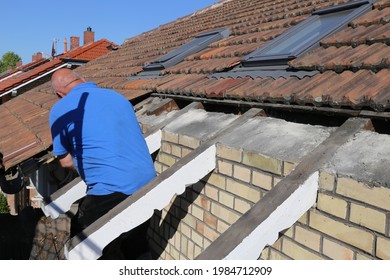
199,43
267,56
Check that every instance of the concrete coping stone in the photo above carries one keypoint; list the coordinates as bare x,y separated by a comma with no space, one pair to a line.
200,124
365,158
276,138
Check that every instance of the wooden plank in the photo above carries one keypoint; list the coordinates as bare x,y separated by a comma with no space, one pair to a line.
282,206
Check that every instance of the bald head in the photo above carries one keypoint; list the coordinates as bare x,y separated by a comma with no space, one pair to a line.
63,80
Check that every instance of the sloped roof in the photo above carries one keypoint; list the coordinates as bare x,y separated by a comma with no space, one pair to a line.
353,66
37,68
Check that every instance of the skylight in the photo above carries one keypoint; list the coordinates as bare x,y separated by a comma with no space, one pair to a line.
176,56
307,35
272,58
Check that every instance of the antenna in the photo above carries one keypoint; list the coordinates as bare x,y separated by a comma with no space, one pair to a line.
54,47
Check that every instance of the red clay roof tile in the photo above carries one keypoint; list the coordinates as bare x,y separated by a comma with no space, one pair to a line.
353,65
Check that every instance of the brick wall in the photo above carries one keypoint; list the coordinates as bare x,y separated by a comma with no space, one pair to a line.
350,219
196,218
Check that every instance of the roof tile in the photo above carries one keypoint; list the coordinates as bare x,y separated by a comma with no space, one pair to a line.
353,64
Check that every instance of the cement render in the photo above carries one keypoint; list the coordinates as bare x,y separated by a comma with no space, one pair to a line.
277,138
200,124
365,158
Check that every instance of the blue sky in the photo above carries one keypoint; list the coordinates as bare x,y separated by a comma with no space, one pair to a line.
31,26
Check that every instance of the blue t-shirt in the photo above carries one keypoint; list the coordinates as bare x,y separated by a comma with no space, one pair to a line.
98,127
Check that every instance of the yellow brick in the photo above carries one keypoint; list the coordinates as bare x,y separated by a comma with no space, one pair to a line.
188,141
332,205
211,192
185,151
203,202
158,167
243,190
226,199
276,255
336,251
225,168
303,219
290,232
288,167
263,162
197,238
217,180
298,252
206,243
222,226
184,245
363,257
242,173
241,205
265,253
278,244
224,213
326,181
190,221
197,212
308,238
164,168
166,159
185,229
383,248
166,148
368,217
191,250
176,151
341,231
277,180
210,234
170,136
262,180
377,196
197,251
228,153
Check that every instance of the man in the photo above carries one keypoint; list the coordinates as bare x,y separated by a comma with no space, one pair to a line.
95,131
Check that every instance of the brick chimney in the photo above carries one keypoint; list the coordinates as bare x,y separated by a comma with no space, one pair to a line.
36,56
65,45
89,36
74,42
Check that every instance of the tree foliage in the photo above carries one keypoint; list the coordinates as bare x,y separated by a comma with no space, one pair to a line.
9,59
4,209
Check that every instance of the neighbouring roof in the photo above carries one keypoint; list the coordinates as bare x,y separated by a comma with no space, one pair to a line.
36,68
352,67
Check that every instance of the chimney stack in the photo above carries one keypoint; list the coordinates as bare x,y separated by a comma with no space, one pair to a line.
65,45
37,56
74,42
89,36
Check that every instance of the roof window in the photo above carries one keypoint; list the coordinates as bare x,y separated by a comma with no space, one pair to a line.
176,56
302,37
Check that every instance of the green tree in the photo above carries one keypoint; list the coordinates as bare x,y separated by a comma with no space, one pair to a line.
4,209
9,59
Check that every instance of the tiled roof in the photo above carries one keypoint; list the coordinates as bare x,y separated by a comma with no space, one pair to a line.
37,68
353,64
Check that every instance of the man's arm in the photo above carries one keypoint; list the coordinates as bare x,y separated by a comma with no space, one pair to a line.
66,161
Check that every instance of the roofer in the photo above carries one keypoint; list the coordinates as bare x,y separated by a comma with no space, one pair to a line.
95,131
